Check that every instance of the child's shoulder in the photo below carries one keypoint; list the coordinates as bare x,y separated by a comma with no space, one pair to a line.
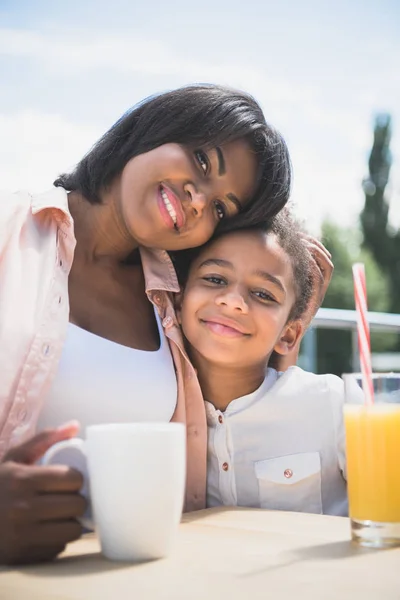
297,381
308,378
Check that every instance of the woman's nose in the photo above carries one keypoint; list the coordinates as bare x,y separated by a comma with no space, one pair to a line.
233,300
198,199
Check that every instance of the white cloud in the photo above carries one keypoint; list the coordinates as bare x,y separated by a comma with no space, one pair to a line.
36,147
325,190
329,161
140,55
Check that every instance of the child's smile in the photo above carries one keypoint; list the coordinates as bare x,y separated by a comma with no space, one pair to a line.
224,327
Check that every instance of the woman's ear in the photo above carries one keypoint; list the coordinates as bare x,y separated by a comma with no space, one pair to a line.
178,298
289,337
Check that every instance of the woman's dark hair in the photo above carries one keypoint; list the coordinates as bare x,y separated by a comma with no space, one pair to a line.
288,232
198,115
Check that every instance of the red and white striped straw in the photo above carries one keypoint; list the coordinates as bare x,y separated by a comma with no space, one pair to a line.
364,342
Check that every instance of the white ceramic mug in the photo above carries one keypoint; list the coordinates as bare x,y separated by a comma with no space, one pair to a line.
135,485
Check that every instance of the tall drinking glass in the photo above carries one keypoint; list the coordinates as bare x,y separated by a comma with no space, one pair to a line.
373,460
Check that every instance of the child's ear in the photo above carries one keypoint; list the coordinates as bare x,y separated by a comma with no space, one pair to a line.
289,337
178,298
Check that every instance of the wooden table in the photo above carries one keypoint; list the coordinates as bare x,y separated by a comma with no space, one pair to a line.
244,554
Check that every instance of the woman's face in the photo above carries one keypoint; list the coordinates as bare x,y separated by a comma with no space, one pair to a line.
173,197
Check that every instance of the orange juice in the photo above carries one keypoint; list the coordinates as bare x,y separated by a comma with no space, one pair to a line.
373,461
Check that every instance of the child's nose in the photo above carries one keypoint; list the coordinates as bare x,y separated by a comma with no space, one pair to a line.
233,300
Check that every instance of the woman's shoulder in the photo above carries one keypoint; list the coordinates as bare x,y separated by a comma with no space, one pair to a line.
14,208
20,211
12,203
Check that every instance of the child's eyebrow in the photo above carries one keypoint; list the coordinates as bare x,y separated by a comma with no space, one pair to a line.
220,262
271,278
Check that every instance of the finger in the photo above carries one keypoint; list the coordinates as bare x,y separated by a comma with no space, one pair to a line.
44,480
57,507
30,451
34,554
324,265
318,247
48,507
313,241
53,534
57,478
322,260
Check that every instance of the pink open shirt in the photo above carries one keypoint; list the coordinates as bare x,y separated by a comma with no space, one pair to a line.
37,245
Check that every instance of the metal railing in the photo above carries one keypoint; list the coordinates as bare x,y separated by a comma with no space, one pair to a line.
335,318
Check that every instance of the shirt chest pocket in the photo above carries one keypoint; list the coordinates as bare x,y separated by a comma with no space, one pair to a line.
291,482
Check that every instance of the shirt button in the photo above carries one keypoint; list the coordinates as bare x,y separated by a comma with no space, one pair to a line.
157,298
22,415
167,322
46,349
220,419
288,473
225,466
61,262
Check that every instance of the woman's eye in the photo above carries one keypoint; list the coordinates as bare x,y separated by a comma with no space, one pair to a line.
221,210
203,161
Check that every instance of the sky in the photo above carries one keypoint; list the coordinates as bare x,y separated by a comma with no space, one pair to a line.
321,71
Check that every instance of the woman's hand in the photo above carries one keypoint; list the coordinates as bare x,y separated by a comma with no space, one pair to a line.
38,505
322,269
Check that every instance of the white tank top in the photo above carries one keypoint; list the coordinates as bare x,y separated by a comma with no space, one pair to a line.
99,381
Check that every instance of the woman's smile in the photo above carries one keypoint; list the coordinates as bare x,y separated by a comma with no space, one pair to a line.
171,208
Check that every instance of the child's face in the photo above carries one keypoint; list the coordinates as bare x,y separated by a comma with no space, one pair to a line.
237,301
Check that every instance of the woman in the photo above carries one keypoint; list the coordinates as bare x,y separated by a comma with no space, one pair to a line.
78,266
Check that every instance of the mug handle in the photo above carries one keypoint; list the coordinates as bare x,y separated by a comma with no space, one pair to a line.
72,453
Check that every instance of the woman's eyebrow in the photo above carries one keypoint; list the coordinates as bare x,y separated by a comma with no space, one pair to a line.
235,201
221,161
222,171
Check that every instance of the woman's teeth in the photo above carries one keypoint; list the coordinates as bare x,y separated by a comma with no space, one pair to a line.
168,206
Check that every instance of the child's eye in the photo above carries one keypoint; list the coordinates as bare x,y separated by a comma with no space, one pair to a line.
264,296
203,161
214,279
220,210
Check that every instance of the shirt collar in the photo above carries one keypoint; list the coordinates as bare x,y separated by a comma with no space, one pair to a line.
159,271
55,199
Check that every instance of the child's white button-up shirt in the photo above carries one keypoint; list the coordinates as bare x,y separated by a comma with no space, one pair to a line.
281,447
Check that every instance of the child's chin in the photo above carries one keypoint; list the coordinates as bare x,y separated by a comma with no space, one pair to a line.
223,359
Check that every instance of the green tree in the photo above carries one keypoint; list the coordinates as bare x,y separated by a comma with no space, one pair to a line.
335,346
382,240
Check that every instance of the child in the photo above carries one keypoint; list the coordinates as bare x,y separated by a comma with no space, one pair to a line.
276,440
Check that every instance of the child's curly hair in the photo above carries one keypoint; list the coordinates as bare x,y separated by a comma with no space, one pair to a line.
290,236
